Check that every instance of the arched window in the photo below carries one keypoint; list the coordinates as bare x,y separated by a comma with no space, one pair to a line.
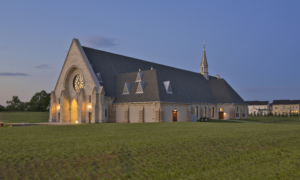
221,109
205,111
237,108
202,69
196,111
212,111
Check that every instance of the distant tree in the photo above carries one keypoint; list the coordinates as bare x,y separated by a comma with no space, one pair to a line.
23,106
251,114
13,104
40,101
279,115
2,108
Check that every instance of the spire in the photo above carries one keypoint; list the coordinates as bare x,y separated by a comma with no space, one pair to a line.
204,65
204,60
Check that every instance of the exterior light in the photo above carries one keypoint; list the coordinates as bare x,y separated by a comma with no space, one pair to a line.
76,122
90,106
58,107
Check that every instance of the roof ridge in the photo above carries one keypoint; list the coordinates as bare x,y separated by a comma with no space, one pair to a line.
143,60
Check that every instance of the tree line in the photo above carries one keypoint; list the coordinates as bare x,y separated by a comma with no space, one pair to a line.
40,101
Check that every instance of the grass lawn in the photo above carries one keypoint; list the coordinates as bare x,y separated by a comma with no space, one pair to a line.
24,117
151,151
277,120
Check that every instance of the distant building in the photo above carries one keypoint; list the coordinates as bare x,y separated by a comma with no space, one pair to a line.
271,107
261,107
286,106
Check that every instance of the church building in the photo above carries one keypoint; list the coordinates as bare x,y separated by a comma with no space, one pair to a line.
95,86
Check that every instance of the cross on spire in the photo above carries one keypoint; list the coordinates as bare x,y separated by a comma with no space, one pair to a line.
203,44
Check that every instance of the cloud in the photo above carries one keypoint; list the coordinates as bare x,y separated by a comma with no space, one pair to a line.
43,66
13,74
100,42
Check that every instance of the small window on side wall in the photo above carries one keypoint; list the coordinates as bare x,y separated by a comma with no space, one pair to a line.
58,100
90,99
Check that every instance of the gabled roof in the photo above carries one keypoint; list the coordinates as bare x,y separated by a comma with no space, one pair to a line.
287,101
187,86
257,102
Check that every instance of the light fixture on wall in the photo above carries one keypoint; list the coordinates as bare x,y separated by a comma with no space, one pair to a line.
89,106
175,109
58,107
76,122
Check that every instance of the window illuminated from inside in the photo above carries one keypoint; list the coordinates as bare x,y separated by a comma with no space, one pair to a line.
221,109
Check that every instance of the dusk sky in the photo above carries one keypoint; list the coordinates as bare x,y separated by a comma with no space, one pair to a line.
253,45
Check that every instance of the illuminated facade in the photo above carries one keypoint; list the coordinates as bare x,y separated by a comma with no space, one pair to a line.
286,106
95,86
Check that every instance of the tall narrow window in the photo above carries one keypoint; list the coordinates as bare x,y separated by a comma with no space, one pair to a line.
204,111
58,100
196,111
212,111
90,99
105,113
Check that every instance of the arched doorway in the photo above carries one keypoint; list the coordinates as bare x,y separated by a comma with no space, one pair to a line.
74,112
73,82
221,113
175,115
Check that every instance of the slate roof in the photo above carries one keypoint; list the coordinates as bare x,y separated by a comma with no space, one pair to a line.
257,102
187,86
287,101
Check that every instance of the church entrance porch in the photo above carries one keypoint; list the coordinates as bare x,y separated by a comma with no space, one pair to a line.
175,116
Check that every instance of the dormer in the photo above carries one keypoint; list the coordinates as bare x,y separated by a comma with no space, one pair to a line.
126,89
98,75
140,88
139,77
168,87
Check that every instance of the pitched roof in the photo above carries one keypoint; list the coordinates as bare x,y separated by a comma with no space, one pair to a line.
287,101
223,92
257,102
187,86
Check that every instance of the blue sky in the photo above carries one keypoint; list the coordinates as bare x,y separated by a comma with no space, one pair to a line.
254,45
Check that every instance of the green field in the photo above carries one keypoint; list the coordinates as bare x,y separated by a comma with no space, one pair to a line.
277,120
151,151
24,117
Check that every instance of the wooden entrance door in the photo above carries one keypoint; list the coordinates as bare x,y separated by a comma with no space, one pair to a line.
221,115
174,116
90,117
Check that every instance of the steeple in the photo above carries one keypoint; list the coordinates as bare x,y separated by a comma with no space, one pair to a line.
204,65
